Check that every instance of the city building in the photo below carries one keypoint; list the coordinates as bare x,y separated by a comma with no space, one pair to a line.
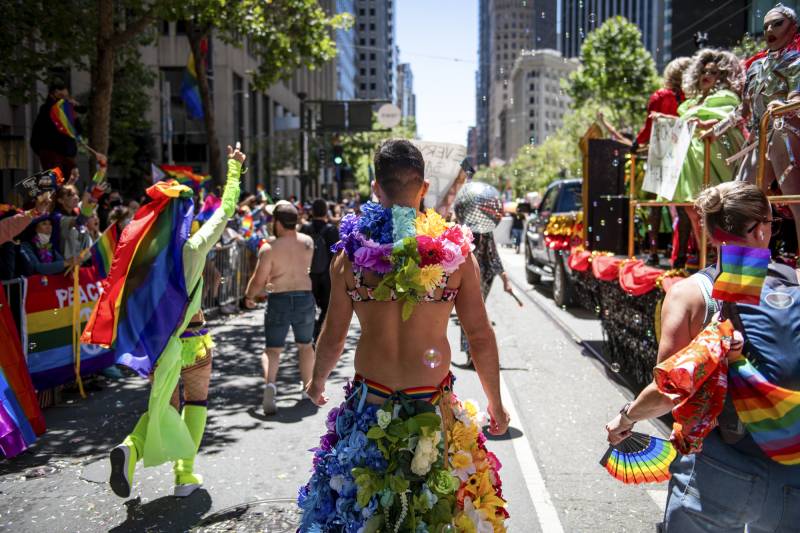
578,19
406,99
482,82
722,24
538,103
511,25
472,144
345,55
376,50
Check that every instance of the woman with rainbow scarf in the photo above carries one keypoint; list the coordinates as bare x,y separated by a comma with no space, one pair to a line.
150,312
402,453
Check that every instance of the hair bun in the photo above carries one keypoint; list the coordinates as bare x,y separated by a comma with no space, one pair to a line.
711,201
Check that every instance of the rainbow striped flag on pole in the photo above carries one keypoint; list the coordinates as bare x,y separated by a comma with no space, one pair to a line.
63,116
743,273
185,175
103,251
190,91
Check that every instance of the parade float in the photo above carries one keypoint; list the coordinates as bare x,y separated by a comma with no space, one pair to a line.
599,249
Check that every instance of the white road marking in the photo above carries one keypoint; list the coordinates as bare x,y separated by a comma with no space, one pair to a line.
659,497
545,510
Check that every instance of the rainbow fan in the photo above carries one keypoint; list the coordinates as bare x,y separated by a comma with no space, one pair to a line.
640,458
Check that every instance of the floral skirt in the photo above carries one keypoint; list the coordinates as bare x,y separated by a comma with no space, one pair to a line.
417,463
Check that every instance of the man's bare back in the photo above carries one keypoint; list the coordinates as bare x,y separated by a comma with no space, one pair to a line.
286,261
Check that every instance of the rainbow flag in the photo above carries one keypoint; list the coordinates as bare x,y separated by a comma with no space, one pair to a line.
185,175
210,204
63,116
16,433
190,91
770,413
103,250
743,273
145,294
247,225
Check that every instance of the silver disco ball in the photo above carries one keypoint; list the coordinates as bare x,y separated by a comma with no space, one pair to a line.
478,206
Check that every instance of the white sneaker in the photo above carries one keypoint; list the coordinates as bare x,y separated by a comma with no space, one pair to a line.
303,394
182,491
268,403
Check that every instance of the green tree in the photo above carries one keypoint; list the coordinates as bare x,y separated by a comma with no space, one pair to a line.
359,149
616,71
285,35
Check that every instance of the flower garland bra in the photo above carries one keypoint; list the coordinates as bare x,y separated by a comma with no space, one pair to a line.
413,253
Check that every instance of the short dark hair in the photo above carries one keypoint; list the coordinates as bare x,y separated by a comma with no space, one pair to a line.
398,166
287,215
319,208
56,84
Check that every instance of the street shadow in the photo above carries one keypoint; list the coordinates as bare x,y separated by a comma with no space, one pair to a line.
286,415
546,290
82,429
512,433
165,514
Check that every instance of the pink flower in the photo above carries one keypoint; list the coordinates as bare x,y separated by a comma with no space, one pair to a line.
460,235
430,250
373,256
452,256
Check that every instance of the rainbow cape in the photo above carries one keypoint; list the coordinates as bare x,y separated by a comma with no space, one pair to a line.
185,175
63,116
145,295
770,413
742,276
103,250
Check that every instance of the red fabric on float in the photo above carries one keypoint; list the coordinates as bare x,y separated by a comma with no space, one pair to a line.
606,268
636,278
579,260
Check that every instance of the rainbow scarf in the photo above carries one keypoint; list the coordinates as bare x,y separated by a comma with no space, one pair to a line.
185,175
63,116
210,205
103,250
743,272
770,413
145,295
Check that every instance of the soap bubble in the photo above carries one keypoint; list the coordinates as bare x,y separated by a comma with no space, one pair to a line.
448,528
615,368
432,358
269,287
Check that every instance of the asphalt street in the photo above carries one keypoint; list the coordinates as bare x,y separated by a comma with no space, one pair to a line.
559,394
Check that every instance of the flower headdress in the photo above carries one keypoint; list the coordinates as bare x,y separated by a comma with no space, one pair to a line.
412,252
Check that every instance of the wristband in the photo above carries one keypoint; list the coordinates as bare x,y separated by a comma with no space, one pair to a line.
624,414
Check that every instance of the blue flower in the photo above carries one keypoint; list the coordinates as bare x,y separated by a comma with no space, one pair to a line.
404,221
375,223
345,422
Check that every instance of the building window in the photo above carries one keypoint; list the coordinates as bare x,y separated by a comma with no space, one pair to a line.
362,57
532,100
532,87
532,126
372,12
372,26
532,113
372,86
372,72
362,71
362,42
363,86
372,42
372,56
180,27
164,28
238,106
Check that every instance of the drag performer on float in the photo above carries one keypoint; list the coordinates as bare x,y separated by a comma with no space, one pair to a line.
150,311
772,79
402,453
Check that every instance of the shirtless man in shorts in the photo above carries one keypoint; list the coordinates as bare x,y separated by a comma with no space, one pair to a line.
282,272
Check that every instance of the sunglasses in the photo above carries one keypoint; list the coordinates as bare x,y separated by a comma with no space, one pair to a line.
775,223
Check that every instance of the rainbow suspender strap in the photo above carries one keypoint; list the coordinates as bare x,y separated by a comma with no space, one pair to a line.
770,413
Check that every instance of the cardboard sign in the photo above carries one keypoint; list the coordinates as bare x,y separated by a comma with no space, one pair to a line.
669,143
442,168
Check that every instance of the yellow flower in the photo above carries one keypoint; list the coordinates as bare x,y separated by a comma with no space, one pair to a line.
463,437
430,224
471,408
430,276
461,460
464,524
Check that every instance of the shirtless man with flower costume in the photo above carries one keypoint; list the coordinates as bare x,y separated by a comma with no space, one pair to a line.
402,453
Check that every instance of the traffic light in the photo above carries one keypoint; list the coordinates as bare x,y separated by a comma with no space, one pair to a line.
338,155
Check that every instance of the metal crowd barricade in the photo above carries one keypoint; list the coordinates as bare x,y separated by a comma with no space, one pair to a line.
228,268
634,203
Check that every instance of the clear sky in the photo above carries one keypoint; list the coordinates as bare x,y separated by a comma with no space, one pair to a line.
431,34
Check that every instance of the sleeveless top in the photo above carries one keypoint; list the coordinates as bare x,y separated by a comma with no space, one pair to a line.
704,279
448,294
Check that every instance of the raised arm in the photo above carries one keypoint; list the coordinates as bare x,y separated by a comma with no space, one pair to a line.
334,331
198,245
482,343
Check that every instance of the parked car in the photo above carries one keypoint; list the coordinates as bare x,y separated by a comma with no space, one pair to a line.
562,197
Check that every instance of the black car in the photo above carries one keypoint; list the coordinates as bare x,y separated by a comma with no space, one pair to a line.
560,198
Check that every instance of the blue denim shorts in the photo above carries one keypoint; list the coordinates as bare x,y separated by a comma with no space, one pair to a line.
294,308
722,490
